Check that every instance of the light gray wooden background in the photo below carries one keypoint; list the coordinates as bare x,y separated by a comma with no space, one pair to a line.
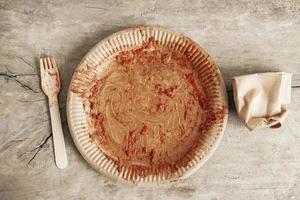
242,36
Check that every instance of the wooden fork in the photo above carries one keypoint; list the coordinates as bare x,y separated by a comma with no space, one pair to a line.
51,85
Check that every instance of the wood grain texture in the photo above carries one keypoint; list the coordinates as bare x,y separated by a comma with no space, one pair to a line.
242,36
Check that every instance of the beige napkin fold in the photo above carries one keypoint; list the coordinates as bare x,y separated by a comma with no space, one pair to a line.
261,99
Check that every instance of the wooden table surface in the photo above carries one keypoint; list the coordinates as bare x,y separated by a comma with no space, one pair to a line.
242,36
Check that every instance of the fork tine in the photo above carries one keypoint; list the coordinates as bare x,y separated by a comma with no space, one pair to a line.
42,64
49,62
45,64
53,62
42,67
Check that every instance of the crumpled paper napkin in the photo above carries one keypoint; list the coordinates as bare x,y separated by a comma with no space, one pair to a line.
261,99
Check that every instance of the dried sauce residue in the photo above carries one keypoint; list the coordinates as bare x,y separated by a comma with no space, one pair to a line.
162,137
190,78
161,107
98,120
144,129
214,118
152,155
169,91
56,77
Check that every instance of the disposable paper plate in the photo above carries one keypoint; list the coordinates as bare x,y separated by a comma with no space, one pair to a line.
95,63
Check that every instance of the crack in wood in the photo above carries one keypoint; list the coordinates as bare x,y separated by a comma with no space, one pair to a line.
26,62
94,7
11,143
233,177
39,148
13,77
266,188
30,101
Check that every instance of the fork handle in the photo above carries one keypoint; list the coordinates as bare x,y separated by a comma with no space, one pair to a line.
58,137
